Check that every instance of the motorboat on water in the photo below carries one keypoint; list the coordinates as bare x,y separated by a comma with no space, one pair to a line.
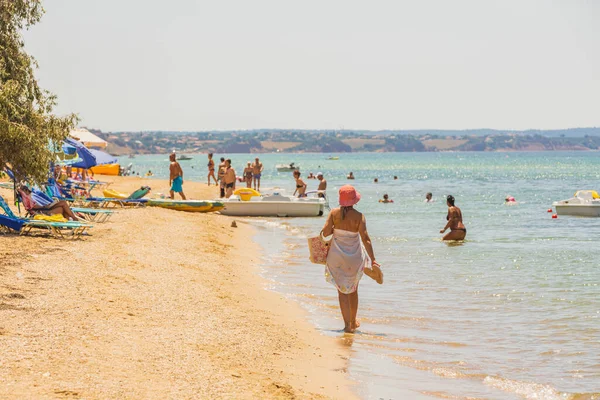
287,167
183,157
585,203
334,158
274,205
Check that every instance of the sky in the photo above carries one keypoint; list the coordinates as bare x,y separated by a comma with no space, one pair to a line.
185,65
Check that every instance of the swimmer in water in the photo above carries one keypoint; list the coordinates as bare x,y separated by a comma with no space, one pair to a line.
386,199
455,223
429,198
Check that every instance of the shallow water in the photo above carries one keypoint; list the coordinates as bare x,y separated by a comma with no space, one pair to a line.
512,312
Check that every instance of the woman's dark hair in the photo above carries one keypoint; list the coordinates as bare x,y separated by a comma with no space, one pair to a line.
228,161
450,199
210,154
345,210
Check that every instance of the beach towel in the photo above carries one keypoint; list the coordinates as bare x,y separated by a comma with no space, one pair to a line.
50,218
346,261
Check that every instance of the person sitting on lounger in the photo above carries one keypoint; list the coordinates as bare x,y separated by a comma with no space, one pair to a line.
56,207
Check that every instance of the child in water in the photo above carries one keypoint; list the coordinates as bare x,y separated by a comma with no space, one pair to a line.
386,199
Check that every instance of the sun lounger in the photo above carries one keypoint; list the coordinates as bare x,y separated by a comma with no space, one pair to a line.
25,226
97,215
89,214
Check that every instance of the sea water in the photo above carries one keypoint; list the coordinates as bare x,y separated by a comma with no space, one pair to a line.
511,312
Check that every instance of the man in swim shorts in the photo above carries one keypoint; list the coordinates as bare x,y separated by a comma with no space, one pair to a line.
229,179
322,185
175,177
257,169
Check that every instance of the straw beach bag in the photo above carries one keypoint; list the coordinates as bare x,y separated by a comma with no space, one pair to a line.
318,247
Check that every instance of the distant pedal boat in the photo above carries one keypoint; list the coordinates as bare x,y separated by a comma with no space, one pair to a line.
585,203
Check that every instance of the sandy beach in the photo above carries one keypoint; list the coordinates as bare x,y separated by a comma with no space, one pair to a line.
155,304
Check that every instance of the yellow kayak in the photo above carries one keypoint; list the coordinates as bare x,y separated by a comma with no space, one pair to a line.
187,205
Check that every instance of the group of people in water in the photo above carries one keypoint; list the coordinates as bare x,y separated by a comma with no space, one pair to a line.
227,178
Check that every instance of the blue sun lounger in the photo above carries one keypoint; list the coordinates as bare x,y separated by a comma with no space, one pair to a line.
89,214
11,222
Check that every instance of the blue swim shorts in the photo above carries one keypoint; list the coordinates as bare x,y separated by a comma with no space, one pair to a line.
177,185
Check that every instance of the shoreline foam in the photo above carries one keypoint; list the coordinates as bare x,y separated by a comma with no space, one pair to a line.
136,311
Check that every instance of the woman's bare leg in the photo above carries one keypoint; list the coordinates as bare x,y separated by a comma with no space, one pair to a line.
60,208
345,307
353,297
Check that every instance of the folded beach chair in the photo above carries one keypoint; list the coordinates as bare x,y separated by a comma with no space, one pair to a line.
24,226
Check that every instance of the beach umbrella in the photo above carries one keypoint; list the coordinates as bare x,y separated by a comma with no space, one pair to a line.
88,159
102,157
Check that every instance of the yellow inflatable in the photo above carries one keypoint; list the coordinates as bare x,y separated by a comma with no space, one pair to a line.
246,193
106,169
593,192
113,194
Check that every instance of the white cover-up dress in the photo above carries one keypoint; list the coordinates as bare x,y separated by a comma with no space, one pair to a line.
346,261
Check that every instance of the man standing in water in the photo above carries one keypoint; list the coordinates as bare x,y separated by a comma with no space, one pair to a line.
229,179
175,177
211,169
257,169
322,185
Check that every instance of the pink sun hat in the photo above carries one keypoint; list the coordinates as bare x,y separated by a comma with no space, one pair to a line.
348,196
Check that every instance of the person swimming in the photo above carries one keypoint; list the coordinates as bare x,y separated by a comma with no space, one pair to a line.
509,200
386,199
429,198
458,231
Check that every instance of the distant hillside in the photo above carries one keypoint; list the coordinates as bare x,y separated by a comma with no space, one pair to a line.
323,141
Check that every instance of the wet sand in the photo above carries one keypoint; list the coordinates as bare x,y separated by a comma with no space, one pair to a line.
155,304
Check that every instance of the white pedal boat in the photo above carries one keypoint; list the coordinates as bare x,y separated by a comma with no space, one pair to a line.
274,205
585,203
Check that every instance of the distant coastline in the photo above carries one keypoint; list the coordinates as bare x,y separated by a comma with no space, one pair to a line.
347,141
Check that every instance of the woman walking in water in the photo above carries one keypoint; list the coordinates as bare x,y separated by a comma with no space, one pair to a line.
348,256
454,218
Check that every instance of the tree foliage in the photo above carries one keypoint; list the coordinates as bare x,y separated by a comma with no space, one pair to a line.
27,124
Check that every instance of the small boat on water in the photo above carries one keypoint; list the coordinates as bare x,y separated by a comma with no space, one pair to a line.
287,167
585,203
187,205
333,158
274,205
183,157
